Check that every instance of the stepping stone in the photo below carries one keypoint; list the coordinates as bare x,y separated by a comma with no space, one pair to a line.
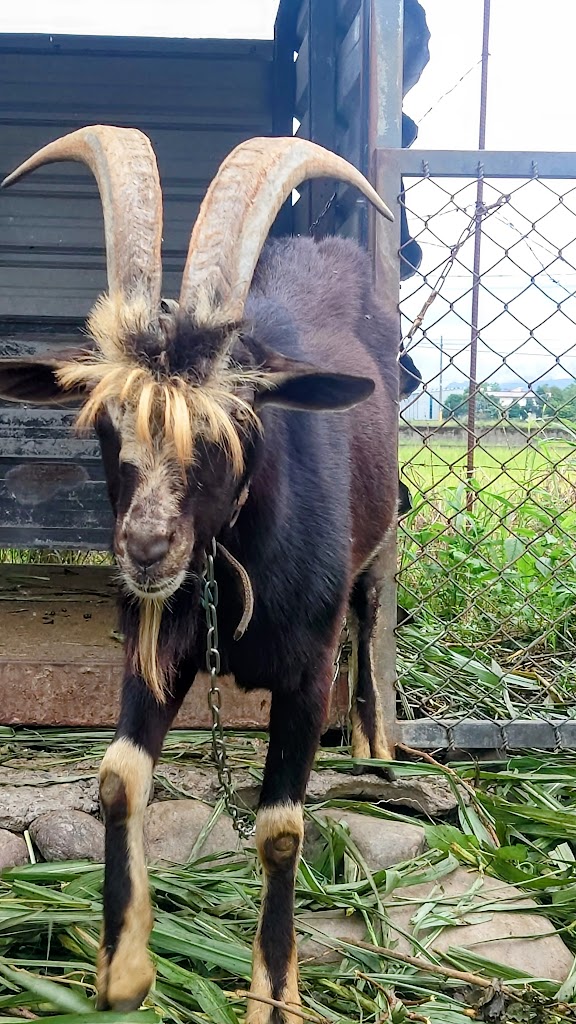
13,850
172,827
497,922
382,842
68,835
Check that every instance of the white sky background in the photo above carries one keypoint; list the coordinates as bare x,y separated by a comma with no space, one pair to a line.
234,19
531,95
530,107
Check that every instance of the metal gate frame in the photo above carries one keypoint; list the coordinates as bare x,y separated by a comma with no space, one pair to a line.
464,734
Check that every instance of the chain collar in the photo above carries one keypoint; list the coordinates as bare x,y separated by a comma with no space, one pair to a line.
241,822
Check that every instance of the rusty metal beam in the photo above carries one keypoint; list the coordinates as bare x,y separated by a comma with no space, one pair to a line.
385,130
61,665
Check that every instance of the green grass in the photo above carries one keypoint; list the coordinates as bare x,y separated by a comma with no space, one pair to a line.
491,583
47,556
508,470
206,913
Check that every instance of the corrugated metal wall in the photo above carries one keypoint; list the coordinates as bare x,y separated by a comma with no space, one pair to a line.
331,38
195,99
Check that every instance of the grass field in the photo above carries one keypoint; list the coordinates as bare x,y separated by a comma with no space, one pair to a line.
492,586
508,470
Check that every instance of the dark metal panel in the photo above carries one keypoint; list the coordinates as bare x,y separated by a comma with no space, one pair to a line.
348,70
472,734
284,77
346,11
52,487
302,70
322,90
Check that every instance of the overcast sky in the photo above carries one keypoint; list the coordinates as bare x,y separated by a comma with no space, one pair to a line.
530,106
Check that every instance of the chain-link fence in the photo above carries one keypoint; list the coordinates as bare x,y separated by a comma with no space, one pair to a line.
487,556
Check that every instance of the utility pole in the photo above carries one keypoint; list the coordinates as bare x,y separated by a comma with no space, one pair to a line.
440,388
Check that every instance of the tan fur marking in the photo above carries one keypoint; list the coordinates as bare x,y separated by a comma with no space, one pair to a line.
380,748
360,742
283,825
125,980
290,993
134,766
144,412
259,1013
276,821
185,409
361,746
147,654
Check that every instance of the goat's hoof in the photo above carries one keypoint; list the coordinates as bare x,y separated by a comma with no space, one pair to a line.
123,987
385,773
382,771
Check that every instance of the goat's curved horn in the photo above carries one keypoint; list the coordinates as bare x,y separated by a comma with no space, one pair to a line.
237,213
123,163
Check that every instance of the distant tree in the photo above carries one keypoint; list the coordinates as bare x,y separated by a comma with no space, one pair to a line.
531,406
557,403
457,403
487,404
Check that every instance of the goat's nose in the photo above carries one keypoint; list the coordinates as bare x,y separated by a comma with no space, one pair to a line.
147,549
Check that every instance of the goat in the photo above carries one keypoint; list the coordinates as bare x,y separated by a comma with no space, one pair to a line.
227,416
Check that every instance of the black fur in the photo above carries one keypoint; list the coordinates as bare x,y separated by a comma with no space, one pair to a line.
117,886
276,933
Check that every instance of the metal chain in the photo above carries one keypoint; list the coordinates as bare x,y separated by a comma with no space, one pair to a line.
323,213
343,640
241,823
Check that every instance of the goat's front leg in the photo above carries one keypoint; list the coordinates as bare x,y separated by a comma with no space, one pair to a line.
296,721
369,738
125,971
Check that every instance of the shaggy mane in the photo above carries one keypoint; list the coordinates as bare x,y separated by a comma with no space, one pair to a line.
174,406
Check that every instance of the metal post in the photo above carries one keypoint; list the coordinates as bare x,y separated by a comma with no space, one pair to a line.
440,382
386,21
471,426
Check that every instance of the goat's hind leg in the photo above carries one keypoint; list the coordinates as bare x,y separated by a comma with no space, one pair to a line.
125,971
369,739
296,721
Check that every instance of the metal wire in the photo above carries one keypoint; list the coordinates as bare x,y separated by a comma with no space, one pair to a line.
490,584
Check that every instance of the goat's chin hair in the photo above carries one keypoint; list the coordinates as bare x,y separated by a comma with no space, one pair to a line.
146,654
146,661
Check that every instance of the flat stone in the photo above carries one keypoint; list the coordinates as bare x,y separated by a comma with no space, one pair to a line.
381,842
202,784
22,804
334,924
172,827
521,939
431,796
518,938
68,835
13,850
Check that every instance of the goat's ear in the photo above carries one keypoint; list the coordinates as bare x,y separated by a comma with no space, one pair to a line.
296,385
32,380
